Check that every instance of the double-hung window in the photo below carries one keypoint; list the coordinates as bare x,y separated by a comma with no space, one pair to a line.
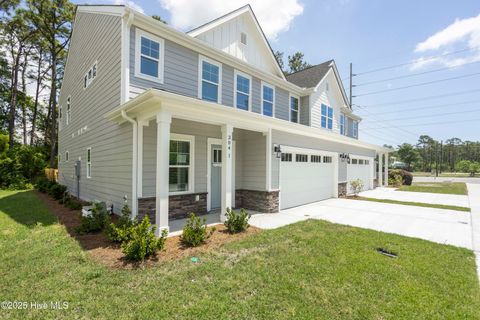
268,94
181,164
242,90
60,119
327,117
149,54
89,162
355,129
67,116
294,109
342,124
210,80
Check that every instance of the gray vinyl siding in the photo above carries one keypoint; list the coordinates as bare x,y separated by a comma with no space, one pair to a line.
349,127
305,110
252,148
95,37
281,104
256,95
227,85
180,69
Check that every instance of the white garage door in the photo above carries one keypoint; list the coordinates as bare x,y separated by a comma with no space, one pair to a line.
305,178
360,168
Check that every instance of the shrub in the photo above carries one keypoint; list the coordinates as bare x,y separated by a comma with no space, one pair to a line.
195,231
356,186
19,165
143,242
57,191
236,222
95,222
395,180
122,231
43,184
406,176
72,203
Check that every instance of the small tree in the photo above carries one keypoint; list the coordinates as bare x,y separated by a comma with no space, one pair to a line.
356,186
474,168
463,166
407,154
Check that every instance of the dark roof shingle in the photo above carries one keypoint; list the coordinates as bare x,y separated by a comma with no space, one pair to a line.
311,76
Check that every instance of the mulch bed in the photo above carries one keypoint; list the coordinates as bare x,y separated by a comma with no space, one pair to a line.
102,250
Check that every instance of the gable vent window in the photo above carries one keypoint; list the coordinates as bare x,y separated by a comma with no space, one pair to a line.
243,38
90,75
301,158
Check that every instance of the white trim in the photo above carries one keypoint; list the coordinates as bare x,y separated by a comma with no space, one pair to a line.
342,123
242,74
139,33
140,125
125,58
210,142
200,77
266,84
191,166
326,117
88,171
355,132
290,96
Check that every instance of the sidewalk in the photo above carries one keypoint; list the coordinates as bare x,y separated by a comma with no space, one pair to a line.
474,198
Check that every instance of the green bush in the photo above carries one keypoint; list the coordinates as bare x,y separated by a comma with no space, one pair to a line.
72,203
195,231
356,186
143,242
236,222
123,230
43,184
19,166
97,221
57,191
405,176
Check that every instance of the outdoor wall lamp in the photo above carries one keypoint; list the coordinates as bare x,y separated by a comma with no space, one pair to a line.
345,157
277,150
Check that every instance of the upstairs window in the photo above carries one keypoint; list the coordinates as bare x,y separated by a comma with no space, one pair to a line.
90,75
293,109
67,156
268,94
60,118
355,129
327,117
342,124
67,117
242,91
149,57
89,162
210,79
243,38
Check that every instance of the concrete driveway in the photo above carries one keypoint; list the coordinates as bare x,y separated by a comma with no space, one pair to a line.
437,225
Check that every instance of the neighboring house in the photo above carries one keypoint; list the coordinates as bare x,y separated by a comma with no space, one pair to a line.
190,122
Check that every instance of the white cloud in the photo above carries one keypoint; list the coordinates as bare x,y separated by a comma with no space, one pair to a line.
129,3
274,16
463,32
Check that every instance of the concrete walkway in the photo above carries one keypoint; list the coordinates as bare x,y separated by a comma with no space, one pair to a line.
474,197
437,225
425,197
474,180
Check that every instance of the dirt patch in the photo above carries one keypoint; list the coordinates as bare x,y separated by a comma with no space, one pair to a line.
105,252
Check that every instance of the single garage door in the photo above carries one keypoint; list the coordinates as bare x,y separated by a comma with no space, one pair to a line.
305,178
360,168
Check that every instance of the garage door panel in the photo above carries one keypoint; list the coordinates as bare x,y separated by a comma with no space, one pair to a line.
362,171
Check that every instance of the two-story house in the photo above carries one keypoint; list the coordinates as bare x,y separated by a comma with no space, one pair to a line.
192,122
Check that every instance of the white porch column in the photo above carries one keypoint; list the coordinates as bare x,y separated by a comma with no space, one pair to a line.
380,169
164,120
227,145
385,181
140,126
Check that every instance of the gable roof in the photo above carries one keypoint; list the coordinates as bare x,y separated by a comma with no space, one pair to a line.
311,76
231,15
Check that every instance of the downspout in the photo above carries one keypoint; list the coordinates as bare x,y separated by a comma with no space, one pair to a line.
134,163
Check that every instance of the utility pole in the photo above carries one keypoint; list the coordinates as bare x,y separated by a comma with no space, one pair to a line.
441,155
436,159
351,84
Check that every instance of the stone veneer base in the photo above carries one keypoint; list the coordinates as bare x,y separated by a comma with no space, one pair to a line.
179,206
342,189
260,201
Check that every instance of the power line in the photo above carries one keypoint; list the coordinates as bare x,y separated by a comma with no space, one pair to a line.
378,137
430,124
416,61
420,99
414,74
433,115
392,125
423,107
419,84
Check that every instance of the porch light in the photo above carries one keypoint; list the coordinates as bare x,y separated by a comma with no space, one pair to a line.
277,150
345,157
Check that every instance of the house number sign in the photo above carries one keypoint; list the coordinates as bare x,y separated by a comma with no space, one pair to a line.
229,146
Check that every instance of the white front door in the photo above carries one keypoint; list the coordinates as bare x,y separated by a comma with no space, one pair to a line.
305,178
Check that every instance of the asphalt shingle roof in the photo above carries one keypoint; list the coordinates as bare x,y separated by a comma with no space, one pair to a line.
310,77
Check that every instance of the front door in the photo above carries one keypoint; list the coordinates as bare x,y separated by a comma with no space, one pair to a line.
216,176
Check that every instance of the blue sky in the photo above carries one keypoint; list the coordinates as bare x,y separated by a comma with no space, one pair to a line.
374,34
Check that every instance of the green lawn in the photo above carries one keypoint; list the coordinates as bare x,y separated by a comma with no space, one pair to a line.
416,204
310,270
444,174
437,187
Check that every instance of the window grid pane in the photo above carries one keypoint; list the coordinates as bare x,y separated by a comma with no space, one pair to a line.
209,91
242,101
210,72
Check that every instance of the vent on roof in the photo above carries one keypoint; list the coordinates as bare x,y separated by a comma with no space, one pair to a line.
243,38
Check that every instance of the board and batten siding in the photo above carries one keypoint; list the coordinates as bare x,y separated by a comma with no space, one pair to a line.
95,38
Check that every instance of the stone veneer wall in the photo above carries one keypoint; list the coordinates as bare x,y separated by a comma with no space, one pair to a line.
261,201
342,189
179,206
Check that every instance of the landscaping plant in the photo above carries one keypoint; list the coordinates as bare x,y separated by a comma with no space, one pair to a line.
95,222
356,186
143,242
57,191
195,231
237,222
122,231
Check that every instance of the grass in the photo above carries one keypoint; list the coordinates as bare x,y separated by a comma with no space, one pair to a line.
437,187
309,270
443,174
417,204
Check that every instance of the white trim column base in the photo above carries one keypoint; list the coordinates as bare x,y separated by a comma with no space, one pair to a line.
227,168
380,169
164,121
385,180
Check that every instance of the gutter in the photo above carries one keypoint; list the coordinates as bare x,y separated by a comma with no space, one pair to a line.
134,163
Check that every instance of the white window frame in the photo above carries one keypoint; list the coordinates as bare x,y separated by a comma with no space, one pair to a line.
60,118
326,117
191,172
265,84
355,128
343,118
88,80
138,54
67,156
88,163
239,73
200,77
290,96
68,111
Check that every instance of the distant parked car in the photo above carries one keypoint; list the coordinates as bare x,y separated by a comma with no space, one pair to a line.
399,165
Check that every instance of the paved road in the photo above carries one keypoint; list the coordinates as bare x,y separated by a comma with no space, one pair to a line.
475,180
